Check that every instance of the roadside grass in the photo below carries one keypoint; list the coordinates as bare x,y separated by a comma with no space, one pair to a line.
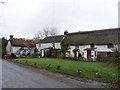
86,69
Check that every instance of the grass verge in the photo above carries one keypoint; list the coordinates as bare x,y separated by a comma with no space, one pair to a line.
99,71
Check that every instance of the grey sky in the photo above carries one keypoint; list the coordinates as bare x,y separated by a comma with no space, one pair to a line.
24,18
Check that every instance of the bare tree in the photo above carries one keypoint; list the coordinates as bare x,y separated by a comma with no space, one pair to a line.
50,31
46,32
38,36
53,31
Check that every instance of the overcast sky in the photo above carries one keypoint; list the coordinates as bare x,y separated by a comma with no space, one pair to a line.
24,18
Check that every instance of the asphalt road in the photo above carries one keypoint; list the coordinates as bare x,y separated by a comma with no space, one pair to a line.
20,76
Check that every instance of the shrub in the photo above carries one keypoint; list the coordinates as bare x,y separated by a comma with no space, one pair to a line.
101,58
26,61
98,75
13,55
61,56
79,71
48,54
48,67
34,56
35,63
58,67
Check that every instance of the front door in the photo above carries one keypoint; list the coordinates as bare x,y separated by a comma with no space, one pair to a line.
88,54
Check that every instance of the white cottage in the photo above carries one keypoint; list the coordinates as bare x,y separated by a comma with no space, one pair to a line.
90,44
20,45
52,42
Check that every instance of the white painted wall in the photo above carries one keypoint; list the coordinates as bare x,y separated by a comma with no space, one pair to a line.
71,54
9,47
46,45
93,54
37,46
81,49
85,54
99,48
15,49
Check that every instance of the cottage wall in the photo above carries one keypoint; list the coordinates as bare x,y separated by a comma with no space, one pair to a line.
46,45
99,49
70,52
9,47
15,49
85,54
37,46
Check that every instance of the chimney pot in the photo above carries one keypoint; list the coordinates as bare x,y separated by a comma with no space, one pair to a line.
11,36
65,32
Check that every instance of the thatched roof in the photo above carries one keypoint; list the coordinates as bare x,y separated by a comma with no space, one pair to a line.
105,36
22,42
52,39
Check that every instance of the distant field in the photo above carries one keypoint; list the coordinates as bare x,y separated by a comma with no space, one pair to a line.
86,69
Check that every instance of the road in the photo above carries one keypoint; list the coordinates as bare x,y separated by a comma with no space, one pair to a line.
20,76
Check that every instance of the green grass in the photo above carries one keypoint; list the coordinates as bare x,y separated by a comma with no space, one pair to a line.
88,69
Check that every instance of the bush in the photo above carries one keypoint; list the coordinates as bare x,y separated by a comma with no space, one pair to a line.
23,56
101,58
13,55
48,54
34,56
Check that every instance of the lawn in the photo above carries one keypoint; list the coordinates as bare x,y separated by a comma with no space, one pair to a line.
106,72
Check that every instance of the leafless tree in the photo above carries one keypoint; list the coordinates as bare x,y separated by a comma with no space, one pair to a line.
38,37
46,32
50,31
53,31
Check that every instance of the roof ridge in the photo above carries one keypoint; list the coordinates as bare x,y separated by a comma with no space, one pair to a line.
83,32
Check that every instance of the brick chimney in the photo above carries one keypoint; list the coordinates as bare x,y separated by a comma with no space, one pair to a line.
11,36
65,32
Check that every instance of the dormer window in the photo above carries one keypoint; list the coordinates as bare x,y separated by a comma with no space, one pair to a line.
110,45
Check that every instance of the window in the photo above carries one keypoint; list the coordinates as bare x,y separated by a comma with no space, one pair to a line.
39,45
110,45
68,52
77,47
92,45
53,44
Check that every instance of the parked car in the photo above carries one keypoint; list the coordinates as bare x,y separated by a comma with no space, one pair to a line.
7,56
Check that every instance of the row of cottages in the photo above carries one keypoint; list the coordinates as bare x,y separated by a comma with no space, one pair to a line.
20,46
88,44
